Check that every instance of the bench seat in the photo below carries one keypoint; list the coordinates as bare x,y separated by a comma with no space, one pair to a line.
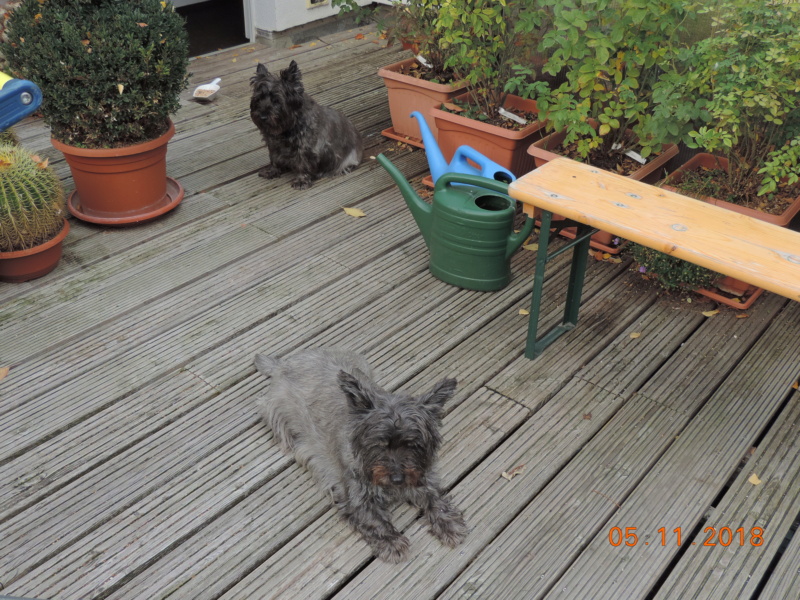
724,241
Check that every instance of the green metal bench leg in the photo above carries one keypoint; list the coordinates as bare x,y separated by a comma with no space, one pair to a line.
580,255
532,348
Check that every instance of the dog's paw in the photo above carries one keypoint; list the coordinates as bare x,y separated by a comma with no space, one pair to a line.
269,172
392,550
302,183
448,526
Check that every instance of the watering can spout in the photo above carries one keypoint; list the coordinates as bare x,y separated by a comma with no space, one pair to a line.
515,240
436,161
420,210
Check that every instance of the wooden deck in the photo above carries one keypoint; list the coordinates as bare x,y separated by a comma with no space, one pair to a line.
133,464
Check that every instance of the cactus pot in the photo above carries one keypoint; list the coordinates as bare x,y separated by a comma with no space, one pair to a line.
121,186
24,265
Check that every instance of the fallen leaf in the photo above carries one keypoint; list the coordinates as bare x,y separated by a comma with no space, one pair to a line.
616,260
587,417
4,163
531,247
635,335
598,255
4,372
453,107
43,164
85,42
359,36
742,316
120,87
518,470
522,311
295,46
354,212
606,255
142,24
796,385
754,479
710,313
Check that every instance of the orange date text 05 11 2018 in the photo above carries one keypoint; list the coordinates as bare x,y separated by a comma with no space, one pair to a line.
712,536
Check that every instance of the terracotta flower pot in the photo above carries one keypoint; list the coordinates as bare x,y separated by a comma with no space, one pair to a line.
24,265
546,149
742,295
407,94
745,293
119,186
506,147
709,161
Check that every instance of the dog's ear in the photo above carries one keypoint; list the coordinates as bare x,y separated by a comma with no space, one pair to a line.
292,76
441,393
261,69
357,390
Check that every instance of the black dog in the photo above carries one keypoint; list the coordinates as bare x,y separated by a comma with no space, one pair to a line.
302,136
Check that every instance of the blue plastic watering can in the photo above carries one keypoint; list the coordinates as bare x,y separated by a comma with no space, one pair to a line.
461,159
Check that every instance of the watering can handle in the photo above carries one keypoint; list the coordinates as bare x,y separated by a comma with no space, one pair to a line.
474,180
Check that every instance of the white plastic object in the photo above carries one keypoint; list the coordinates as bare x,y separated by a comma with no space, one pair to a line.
207,91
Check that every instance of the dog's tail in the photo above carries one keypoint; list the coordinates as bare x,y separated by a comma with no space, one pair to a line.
265,364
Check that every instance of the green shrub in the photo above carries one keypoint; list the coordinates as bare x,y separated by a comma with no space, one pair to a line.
735,94
614,52
31,200
670,272
110,71
484,40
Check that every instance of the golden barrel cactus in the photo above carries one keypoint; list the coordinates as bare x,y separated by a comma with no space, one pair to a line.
31,200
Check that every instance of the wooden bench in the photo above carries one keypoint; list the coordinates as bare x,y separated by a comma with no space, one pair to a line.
730,243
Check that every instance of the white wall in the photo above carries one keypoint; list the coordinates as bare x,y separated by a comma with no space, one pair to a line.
279,15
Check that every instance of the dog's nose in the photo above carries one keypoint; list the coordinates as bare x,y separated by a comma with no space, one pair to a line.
396,478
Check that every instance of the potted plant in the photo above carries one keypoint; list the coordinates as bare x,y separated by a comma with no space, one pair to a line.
32,223
613,52
485,40
737,99
673,273
111,73
422,82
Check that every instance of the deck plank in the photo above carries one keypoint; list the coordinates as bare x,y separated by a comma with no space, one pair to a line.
682,485
737,569
555,527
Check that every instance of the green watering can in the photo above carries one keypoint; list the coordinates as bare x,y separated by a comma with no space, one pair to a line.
468,229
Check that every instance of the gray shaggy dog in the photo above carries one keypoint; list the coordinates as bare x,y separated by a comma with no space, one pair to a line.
303,137
365,447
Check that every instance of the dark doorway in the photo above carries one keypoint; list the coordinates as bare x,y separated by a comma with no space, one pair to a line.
214,25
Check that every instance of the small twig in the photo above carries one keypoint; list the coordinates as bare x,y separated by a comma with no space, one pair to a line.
607,498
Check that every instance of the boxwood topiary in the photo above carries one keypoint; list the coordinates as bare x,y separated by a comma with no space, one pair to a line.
111,71
31,200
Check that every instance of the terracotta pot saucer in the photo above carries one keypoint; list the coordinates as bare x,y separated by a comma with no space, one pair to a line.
171,199
393,135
